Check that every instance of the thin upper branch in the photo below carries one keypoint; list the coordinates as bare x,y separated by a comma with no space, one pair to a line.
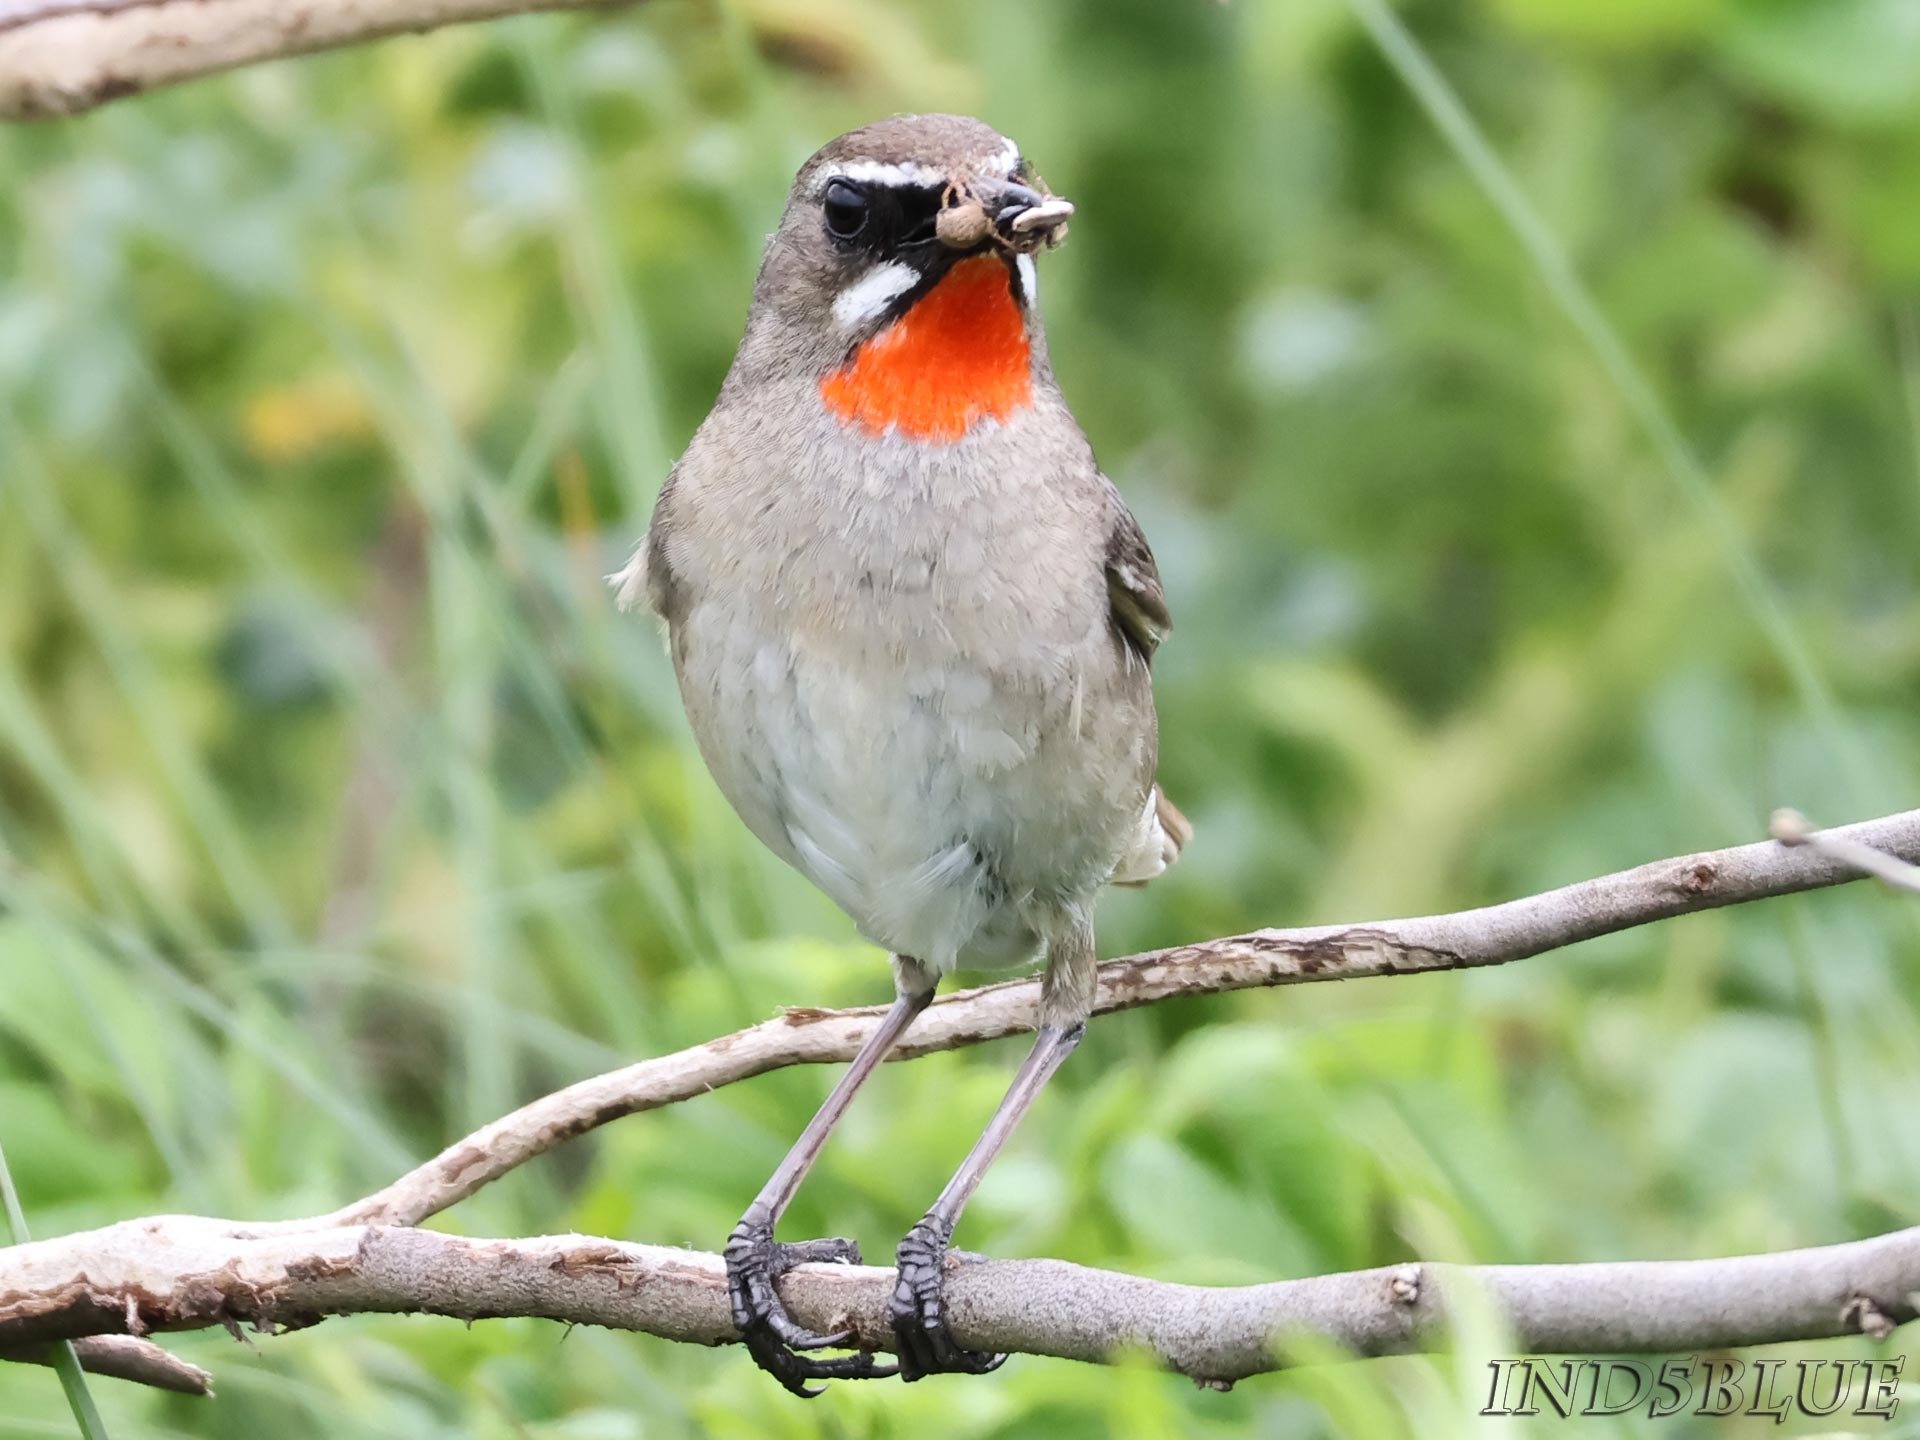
60,57
179,1272
1490,936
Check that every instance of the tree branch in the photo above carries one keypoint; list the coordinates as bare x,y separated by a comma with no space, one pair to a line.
60,57
1494,935
1790,827
179,1272
121,1357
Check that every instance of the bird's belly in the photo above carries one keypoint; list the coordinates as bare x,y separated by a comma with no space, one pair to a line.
948,794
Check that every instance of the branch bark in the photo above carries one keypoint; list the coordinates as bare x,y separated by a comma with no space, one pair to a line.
179,1272
1493,935
60,57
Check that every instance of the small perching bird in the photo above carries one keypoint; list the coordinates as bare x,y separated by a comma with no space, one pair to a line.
912,623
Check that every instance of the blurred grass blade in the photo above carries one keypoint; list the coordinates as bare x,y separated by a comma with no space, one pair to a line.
1449,115
1906,329
604,306
101,612
66,1362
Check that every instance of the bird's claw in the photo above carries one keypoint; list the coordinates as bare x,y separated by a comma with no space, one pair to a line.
919,1310
755,1260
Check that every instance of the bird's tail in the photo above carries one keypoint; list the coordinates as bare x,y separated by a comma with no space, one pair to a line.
1162,835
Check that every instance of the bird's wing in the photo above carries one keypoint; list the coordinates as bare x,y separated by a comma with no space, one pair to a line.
1133,583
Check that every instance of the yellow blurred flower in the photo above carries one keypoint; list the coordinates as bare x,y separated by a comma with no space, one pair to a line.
290,422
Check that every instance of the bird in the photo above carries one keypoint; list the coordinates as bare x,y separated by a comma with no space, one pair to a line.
912,624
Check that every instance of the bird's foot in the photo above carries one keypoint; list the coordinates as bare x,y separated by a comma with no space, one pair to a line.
755,1260
920,1311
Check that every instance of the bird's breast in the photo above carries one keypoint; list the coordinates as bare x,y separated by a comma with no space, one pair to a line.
899,662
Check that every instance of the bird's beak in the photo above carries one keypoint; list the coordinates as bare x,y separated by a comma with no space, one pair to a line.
1021,210
1014,216
1048,219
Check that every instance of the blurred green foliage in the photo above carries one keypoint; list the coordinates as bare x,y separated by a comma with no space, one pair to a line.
340,812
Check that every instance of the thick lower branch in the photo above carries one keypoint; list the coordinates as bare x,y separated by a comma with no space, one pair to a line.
179,1272
1493,935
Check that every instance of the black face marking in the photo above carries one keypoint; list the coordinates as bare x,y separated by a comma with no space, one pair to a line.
889,222
896,225
884,222
919,208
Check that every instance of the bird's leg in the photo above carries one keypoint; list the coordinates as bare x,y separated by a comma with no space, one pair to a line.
919,1304
755,1260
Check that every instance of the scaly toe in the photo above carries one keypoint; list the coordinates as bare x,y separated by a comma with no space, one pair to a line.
755,1260
919,1311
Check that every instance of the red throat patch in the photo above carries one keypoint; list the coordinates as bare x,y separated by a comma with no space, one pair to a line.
960,355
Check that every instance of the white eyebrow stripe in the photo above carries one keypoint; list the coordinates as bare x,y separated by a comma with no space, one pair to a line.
872,293
878,172
1009,159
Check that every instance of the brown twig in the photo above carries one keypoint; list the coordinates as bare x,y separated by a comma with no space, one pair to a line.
122,1357
1790,827
1494,935
60,57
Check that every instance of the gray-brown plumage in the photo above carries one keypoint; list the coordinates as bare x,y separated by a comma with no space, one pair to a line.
912,624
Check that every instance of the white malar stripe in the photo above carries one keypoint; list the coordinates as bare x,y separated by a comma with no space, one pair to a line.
1029,279
870,295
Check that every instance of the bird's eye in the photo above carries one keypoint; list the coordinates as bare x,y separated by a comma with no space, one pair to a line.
846,209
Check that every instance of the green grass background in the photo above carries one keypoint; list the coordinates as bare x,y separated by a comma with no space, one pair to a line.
1519,524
